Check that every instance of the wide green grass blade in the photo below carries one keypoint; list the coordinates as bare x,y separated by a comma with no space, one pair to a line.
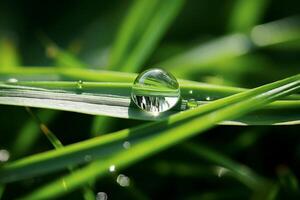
59,74
199,118
113,99
146,142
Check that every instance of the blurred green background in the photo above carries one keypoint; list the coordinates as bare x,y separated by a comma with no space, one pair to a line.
193,45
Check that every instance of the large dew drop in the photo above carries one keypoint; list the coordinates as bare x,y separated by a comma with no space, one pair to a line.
155,91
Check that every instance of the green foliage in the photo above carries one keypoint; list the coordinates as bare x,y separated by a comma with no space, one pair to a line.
217,50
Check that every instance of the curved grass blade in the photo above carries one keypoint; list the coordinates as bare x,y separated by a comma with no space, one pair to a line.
241,172
131,28
140,32
166,12
149,139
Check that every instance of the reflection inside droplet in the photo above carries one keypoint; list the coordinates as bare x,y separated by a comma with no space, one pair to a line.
4,155
123,180
155,91
192,103
112,168
101,196
207,98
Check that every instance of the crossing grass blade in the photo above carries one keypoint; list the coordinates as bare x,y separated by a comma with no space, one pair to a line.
30,130
145,140
57,144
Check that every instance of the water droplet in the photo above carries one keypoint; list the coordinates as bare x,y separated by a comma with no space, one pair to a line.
126,145
221,171
207,98
101,196
155,91
64,183
80,84
4,155
123,180
87,158
191,91
191,104
112,168
12,80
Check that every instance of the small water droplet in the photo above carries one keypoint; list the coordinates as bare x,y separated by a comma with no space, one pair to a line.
4,155
112,168
155,91
207,98
80,84
221,171
101,196
191,104
64,183
126,145
12,80
87,158
191,91
123,180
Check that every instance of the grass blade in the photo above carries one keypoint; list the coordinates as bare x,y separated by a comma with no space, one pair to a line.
159,23
209,55
8,53
246,14
132,26
156,139
113,99
140,32
199,119
30,130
